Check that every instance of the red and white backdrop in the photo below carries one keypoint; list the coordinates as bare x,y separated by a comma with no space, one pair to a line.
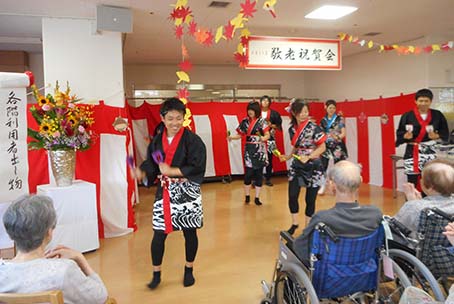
105,165
369,141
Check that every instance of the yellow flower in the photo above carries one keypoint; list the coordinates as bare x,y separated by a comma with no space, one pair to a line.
72,119
44,128
43,101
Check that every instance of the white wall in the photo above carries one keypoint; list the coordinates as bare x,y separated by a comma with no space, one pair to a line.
92,63
292,84
371,74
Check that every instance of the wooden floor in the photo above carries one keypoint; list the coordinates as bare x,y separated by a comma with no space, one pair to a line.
237,246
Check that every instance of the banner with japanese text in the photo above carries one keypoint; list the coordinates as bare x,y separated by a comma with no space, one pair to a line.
293,53
13,136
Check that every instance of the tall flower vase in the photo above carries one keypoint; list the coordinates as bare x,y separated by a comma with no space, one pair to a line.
63,163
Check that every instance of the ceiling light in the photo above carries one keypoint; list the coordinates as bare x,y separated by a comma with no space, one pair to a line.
331,12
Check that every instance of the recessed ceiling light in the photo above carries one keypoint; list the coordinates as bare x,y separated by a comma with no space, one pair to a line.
331,12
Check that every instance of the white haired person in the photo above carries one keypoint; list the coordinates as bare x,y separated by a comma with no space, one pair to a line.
30,222
437,182
347,218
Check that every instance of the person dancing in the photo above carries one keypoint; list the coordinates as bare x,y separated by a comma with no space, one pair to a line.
334,127
177,157
274,121
308,144
255,128
420,128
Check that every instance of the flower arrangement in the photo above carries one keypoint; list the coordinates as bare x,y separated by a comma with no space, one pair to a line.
63,124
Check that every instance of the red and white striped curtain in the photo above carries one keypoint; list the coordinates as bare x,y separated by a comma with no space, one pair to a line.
105,165
370,142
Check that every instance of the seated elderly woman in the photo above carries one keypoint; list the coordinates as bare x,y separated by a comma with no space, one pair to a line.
30,221
437,181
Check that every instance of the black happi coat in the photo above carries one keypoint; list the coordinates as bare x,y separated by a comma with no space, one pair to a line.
183,209
425,148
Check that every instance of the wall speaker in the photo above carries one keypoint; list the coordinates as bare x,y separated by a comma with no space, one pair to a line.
114,19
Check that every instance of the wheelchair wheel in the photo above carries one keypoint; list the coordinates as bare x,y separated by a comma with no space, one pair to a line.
289,291
391,290
419,275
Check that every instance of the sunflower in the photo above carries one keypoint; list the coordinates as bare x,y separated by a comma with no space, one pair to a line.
45,128
43,101
72,119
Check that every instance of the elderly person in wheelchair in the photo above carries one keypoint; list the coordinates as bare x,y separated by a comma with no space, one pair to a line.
417,229
340,255
437,182
30,221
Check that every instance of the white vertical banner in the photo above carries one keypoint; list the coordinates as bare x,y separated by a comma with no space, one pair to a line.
375,151
352,138
114,185
235,156
203,129
13,136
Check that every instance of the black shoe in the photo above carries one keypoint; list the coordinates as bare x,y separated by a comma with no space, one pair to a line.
155,281
292,229
257,201
248,199
189,279
269,183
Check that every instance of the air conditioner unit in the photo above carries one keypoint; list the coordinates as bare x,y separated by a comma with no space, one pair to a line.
113,19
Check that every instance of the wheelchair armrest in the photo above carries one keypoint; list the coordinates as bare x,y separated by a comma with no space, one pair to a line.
288,238
398,227
443,214
323,228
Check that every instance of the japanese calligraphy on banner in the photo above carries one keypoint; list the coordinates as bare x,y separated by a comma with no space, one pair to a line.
293,53
13,136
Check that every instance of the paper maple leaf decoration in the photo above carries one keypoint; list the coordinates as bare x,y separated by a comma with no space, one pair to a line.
244,40
178,31
184,51
185,65
242,59
248,8
209,39
192,28
229,31
183,93
200,36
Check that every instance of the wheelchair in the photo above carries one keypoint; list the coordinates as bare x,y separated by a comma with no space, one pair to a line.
341,270
427,260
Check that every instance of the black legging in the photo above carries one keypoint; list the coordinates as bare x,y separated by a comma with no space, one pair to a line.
293,194
253,174
158,244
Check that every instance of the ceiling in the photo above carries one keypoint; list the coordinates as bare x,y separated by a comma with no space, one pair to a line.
153,39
